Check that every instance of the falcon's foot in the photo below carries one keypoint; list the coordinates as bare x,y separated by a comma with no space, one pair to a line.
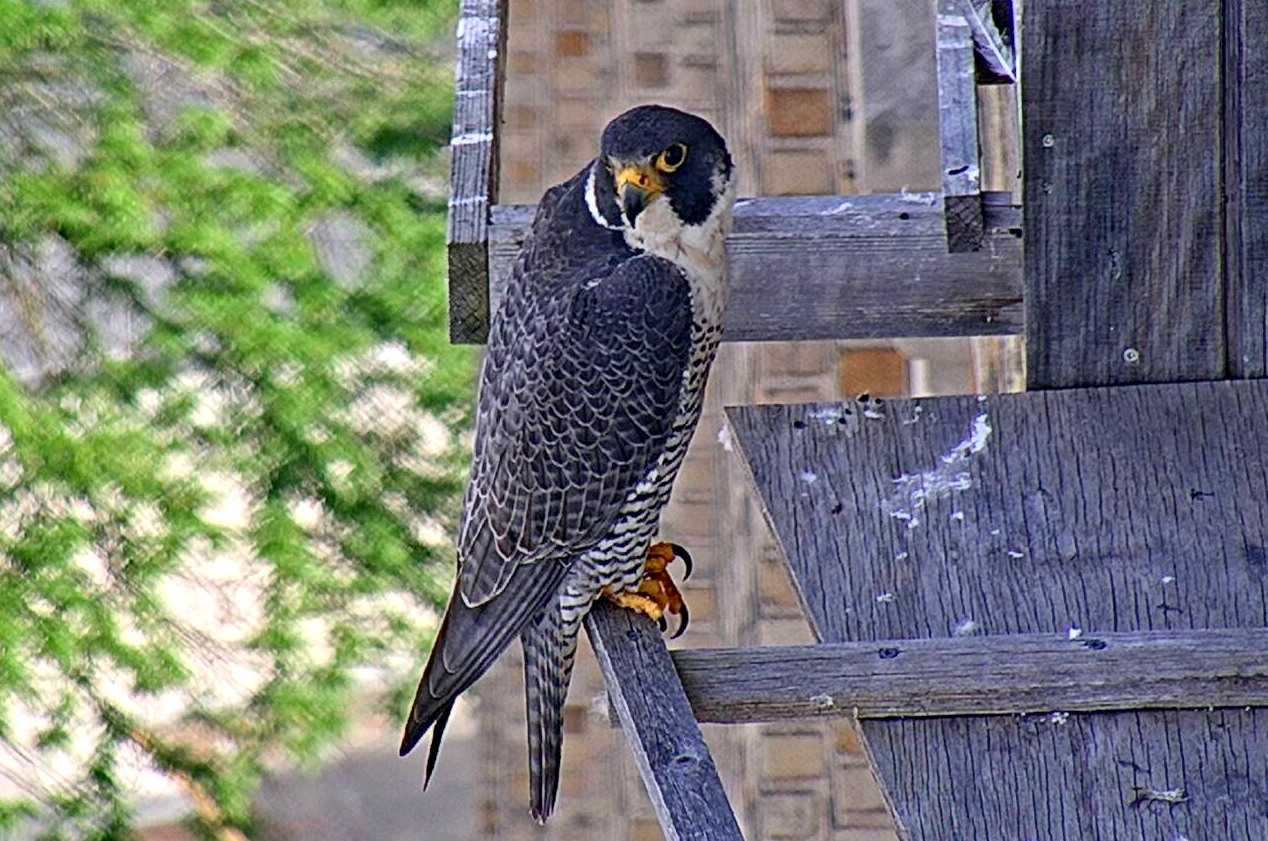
657,594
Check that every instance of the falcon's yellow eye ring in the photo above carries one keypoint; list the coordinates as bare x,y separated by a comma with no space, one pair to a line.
672,158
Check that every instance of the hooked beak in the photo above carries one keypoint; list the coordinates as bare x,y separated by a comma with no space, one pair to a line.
636,187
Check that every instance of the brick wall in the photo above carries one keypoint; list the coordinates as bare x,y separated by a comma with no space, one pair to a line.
814,97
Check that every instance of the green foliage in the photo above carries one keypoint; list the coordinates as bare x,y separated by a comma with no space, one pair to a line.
219,526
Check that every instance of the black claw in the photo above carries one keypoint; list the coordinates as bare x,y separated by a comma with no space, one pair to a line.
663,623
681,552
684,617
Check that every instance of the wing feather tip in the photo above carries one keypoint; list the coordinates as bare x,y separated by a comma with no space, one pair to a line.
417,727
433,751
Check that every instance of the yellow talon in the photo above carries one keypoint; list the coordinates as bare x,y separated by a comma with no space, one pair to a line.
657,593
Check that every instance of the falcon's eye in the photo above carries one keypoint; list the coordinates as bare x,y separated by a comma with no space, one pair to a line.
671,158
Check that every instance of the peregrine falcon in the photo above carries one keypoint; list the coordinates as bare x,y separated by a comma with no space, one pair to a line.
592,385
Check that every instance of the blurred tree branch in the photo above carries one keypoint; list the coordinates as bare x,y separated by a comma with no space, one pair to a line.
231,426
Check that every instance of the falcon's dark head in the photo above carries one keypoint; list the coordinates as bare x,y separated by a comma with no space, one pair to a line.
653,157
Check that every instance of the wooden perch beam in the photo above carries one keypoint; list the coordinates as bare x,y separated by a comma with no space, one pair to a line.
990,675
670,752
845,267
957,125
473,180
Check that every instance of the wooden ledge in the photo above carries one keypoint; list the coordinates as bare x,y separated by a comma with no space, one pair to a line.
986,675
835,267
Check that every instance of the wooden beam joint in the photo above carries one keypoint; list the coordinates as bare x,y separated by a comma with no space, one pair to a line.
957,119
473,181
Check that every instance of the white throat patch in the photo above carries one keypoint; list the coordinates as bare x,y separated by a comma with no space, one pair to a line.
702,247
699,250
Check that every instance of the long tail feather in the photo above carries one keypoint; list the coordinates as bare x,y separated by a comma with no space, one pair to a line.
549,650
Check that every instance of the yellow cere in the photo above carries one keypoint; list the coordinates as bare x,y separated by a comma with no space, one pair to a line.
641,177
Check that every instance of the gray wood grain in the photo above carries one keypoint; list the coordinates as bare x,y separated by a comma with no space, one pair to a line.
1121,108
1100,776
817,267
1246,182
1136,508
473,180
669,750
1076,496
957,126
986,675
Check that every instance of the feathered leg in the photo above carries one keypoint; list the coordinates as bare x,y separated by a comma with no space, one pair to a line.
549,648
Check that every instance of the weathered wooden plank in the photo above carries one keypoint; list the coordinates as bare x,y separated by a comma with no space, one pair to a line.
473,180
817,267
1116,296
989,675
669,750
957,126
1131,508
1246,183
1109,510
1089,776
1121,108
